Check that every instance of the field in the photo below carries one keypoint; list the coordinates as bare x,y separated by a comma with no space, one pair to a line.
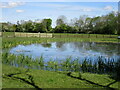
19,77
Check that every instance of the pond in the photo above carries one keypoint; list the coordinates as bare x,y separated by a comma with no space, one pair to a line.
74,50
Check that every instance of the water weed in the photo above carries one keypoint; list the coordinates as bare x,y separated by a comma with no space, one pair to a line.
109,66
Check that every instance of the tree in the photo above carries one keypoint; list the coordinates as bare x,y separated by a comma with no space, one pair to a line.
14,27
118,24
61,20
47,24
19,28
7,27
28,25
88,25
107,24
38,27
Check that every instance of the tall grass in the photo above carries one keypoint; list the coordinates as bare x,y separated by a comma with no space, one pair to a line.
101,66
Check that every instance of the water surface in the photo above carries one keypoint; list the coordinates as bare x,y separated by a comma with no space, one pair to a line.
73,50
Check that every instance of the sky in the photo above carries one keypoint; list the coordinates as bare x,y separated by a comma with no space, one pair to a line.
15,11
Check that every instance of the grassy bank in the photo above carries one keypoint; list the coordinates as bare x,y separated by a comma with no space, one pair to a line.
23,78
8,42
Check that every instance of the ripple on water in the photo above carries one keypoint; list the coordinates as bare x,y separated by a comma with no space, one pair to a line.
63,50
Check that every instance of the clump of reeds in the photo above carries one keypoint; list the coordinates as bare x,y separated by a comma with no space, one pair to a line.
100,65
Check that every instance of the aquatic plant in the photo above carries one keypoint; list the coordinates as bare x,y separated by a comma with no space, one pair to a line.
41,62
84,66
66,64
76,66
50,65
101,65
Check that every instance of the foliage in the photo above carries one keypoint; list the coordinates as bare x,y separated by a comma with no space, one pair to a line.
107,24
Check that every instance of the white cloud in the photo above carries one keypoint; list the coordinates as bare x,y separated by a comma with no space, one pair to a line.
10,4
65,7
19,11
108,8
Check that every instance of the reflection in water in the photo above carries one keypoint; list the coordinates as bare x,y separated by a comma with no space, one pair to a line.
63,50
61,46
46,45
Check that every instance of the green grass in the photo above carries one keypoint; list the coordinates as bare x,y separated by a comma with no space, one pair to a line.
7,34
8,42
84,35
49,79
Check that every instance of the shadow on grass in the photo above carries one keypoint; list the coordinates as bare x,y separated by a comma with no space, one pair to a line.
107,86
31,82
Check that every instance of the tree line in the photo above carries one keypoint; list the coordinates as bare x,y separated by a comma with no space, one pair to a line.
106,24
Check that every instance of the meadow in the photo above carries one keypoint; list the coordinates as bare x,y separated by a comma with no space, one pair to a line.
23,72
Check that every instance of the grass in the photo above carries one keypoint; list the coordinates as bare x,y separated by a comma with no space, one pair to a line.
84,35
8,34
8,42
14,77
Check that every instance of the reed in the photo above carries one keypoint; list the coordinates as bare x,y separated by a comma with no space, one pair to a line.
41,62
101,65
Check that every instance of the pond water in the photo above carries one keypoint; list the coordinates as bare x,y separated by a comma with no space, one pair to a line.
73,50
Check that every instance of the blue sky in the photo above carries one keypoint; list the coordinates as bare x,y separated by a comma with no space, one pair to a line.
14,11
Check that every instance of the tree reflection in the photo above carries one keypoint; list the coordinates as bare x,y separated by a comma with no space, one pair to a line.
46,45
61,46
105,48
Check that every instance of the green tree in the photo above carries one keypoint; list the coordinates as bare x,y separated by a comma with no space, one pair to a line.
46,23
19,28
39,27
